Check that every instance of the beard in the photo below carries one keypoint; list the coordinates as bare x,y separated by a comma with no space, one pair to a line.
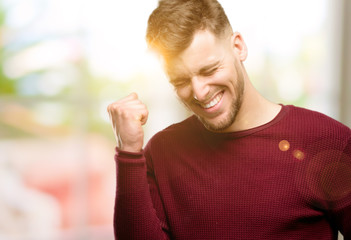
230,117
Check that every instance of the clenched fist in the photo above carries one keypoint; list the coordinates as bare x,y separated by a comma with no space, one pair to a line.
127,117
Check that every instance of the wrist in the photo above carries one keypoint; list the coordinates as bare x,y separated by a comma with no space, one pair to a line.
121,154
131,149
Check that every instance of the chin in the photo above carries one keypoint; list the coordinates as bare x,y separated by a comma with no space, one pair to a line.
219,125
222,123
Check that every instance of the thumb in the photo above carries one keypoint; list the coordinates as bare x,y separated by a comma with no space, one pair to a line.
142,116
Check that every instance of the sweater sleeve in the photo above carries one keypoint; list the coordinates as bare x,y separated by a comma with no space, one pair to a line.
134,215
340,186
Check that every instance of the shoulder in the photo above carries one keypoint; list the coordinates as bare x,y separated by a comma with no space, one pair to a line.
314,132
312,122
323,147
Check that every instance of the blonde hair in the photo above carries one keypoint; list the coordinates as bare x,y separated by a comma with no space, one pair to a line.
172,25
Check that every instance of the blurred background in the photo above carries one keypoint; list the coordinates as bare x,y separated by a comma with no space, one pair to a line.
63,61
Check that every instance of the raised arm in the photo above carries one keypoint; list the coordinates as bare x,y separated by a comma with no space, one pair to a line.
135,216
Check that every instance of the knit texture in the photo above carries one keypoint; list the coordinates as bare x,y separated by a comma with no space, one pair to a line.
287,179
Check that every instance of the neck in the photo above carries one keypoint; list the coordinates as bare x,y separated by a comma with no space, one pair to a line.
255,110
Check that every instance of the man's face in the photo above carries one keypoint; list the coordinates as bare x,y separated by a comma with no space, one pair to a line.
209,79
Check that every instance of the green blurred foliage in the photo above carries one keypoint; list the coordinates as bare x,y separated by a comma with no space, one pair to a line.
7,86
80,99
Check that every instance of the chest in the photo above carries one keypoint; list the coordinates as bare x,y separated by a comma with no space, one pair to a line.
238,189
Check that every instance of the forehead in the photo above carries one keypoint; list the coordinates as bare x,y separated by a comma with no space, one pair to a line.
205,50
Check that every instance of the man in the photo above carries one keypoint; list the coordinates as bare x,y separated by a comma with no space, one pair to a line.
241,167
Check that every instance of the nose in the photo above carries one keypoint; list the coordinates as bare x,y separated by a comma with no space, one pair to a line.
200,88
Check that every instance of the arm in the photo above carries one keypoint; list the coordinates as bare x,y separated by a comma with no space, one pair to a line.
135,216
341,197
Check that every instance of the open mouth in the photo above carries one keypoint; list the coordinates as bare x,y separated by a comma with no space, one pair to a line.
213,102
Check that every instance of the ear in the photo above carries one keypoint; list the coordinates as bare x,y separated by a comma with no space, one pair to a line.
239,46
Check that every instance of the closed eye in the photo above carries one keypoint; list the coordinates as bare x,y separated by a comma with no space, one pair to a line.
179,82
210,69
209,72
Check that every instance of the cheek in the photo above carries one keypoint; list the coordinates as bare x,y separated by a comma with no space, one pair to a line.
225,77
184,93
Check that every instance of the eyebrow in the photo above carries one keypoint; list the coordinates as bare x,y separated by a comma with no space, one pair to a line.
209,67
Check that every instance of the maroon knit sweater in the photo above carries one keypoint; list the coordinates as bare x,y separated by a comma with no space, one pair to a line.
287,179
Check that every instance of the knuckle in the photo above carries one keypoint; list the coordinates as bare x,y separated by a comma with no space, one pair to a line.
109,108
130,97
114,109
134,95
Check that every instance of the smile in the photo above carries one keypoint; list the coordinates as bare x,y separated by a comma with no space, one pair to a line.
213,102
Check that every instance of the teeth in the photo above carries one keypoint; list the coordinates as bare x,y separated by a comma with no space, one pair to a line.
213,102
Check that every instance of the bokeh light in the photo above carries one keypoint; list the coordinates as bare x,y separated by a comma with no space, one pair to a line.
298,154
284,145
